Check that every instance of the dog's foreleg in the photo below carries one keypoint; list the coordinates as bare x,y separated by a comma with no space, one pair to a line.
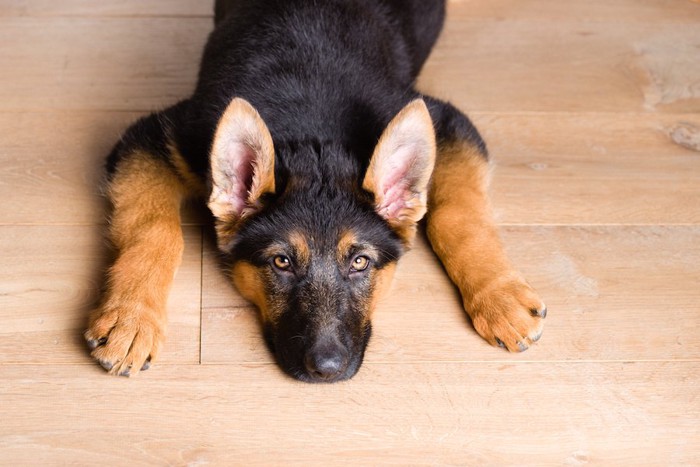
127,330
503,308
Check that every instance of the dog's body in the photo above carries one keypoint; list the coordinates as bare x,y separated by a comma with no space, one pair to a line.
315,152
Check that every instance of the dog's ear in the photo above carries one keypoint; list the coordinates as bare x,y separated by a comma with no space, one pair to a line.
242,163
400,169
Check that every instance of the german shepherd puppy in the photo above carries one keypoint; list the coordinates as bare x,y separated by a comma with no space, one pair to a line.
318,158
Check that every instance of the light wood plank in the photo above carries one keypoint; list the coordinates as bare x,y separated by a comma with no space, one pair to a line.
137,64
572,414
618,11
54,163
49,281
592,168
131,8
614,293
568,64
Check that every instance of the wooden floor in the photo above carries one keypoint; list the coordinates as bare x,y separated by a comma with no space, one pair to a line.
592,114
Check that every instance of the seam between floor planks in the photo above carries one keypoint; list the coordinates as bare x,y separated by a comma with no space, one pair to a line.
385,363
202,246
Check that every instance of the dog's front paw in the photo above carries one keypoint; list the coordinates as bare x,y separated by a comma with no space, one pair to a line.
507,313
125,338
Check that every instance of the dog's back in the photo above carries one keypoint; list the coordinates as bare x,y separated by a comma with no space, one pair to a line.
418,21
295,58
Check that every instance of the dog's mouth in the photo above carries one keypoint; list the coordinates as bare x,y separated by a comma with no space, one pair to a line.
324,361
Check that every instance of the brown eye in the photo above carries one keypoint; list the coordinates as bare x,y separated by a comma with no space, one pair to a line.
360,263
282,262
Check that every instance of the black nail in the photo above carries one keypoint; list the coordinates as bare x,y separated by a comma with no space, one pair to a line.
541,313
94,343
126,371
522,347
500,343
105,364
146,365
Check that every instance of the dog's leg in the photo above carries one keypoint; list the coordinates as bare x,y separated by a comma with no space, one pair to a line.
503,308
146,190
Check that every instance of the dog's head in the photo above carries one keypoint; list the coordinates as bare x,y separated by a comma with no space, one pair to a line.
312,243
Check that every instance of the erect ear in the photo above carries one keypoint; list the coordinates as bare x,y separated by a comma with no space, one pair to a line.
400,169
242,162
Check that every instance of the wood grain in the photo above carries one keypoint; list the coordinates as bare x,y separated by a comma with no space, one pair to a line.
135,64
648,11
54,163
50,279
128,8
444,413
575,168
566,65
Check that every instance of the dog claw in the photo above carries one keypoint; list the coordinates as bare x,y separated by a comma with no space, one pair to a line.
95,343
542,312
522,347
105,364
146,365
500,343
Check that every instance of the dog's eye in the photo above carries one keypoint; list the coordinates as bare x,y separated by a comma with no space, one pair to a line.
360,263
282,263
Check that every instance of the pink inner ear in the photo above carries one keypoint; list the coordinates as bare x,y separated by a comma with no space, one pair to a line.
395,200
239,173
395,187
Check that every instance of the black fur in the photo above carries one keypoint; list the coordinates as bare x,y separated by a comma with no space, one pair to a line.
326,76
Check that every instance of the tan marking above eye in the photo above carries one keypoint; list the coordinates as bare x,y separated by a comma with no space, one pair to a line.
282,262
300,245
360,263
345,245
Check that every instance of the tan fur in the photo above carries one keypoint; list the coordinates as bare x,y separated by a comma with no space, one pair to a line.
381,285
463,234
145,229
412,125
249,282
345,243
301,247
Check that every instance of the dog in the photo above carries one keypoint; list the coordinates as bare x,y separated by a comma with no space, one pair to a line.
317,157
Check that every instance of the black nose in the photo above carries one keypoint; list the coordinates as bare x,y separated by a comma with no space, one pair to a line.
326,362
